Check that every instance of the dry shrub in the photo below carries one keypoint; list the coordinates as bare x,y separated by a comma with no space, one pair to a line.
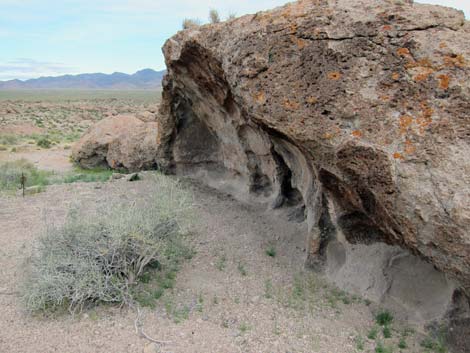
11,172
214,16
100,258
191,23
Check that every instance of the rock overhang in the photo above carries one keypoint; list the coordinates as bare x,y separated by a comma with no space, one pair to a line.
352,114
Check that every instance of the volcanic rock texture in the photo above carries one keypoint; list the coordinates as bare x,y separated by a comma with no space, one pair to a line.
120,142
352,115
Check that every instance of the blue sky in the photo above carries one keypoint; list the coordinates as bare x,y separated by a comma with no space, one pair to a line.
47,38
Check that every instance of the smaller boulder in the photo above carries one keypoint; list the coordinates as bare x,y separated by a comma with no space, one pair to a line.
133,177
121,142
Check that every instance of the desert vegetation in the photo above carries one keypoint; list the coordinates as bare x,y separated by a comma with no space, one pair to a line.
36,180
214,17
12,172
46,119
109,256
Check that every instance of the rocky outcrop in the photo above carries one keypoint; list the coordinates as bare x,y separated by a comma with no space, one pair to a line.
121,142
352,115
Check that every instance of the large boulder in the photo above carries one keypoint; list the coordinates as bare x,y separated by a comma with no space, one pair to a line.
121,142
354,113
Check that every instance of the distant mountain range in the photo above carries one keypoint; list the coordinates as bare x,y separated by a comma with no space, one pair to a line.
143,79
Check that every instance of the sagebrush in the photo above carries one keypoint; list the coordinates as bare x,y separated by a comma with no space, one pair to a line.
11,172
100,256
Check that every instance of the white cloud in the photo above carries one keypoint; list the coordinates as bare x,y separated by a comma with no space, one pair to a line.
24,68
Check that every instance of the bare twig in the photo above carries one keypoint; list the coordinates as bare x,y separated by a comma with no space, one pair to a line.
140,331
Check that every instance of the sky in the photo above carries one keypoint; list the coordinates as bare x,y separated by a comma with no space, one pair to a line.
57,37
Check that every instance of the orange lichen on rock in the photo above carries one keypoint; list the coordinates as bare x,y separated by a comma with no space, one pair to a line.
423,74
312,100
386,28
260,97
442,45
395,76
409,147
384,97
405,123
427,110
455,60
293,28
356,133
398,155
300,43
288,104
334,75
425,62
425,119
444,81
403,52
328,135
421,64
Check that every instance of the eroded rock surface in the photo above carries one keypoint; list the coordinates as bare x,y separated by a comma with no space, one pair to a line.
121,142
354,115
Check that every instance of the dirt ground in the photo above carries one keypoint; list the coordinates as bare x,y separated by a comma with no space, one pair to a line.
231,297
55,159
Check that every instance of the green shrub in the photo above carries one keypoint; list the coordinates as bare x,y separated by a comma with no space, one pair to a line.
271,251
402,344
103,257
8,139
359,343
11,172
384,318
434,345
44,142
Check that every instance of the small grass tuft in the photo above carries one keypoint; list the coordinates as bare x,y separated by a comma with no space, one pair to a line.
383,318
359,343
221,262
271,251
372,334
268,289
433,345
44,142
402,343
380,348
244,327
241,268
387,332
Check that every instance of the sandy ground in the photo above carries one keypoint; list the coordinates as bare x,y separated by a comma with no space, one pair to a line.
227,310
55,159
